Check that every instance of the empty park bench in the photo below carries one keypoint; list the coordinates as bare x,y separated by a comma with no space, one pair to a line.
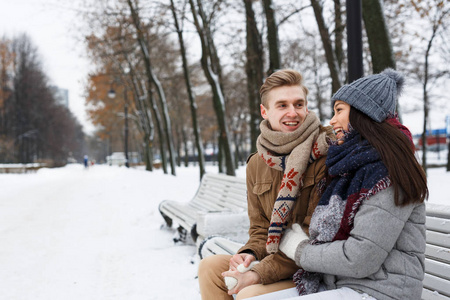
436,284
218,207
20,168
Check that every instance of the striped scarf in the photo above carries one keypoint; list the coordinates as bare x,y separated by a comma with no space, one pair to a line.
291,153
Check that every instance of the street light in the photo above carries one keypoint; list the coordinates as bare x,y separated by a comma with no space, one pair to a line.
112,93
126,136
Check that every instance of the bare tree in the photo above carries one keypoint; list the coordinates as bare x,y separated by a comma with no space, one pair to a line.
255,71
378,35
436,15
193,104
143,44
212,69
272,37
327,45
339,28
37,127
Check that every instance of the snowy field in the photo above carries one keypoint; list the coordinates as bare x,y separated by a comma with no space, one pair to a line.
75,233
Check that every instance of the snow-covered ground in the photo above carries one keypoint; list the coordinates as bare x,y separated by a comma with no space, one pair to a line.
75,233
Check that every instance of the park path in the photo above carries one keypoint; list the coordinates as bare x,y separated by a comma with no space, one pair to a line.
72,233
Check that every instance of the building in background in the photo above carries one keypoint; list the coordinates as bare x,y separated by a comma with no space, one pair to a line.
61,95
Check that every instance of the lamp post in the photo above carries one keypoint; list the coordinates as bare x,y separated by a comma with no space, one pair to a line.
112,94
126,136
354,40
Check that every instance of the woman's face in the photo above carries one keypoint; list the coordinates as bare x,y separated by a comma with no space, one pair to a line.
340,120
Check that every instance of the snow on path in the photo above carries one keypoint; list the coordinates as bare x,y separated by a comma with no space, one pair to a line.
72,233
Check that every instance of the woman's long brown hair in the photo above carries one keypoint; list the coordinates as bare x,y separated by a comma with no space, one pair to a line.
397,154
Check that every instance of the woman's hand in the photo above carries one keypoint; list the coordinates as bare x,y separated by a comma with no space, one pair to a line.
291,239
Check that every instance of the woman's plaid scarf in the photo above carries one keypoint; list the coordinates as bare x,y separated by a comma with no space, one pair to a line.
291,153
357,173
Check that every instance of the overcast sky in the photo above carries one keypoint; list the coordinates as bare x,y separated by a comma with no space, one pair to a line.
52,25
51,28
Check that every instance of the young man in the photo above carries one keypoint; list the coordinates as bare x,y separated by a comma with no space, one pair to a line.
281,189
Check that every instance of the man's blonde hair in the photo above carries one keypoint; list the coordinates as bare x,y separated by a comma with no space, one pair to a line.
286,77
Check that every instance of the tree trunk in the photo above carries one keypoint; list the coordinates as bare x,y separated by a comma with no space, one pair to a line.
178,143
338,33
317,83
161,136
425,123
425,102
147,124
186,148
220,158
144,116
255,71
193,105
379,39
153,79
378,36
327,45
148,129
237,152
213,79
148,150
272,38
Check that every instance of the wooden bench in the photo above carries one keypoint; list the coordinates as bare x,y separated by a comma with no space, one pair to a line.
20,168
436,284
218,207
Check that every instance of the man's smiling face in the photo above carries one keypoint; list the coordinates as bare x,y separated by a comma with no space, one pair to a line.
286,108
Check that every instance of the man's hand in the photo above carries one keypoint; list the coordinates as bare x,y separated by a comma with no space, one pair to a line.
241,258
243,280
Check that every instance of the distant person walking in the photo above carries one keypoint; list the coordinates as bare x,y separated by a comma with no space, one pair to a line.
86,161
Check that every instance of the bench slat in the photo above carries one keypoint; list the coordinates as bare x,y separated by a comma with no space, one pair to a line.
177,213
221,195
207,205
220,248
433,295
229,204
438,253
438,239
214,200
218,245
437,268
438,224
440,285
224,191
438,210
213,206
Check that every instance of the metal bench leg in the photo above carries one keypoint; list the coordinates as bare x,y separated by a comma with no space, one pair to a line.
182,234
166,219
194,233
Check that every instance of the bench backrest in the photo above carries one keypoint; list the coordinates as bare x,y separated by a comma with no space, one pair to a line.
437,254
218,192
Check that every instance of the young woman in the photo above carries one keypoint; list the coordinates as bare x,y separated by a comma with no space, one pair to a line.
367,235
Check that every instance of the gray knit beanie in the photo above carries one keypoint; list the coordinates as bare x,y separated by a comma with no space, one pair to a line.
375,95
